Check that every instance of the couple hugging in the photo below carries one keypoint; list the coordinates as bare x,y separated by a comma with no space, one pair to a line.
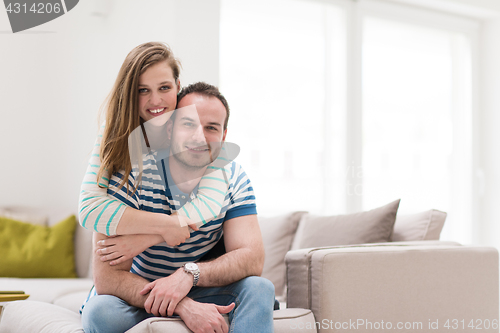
174,220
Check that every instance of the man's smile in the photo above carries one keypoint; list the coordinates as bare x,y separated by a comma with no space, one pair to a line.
197,149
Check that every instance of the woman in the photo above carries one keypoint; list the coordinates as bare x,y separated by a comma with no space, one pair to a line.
145,93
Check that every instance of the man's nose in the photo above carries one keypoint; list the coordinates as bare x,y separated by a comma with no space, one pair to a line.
199,135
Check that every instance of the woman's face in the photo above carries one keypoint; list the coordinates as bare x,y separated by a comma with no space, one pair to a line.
157,91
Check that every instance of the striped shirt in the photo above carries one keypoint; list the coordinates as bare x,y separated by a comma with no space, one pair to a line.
162,260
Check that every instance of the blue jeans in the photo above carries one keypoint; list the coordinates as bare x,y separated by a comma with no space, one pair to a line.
253,297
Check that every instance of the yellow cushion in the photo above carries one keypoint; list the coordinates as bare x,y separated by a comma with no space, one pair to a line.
30,251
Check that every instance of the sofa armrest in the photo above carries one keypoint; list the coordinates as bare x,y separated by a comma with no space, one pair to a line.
421,282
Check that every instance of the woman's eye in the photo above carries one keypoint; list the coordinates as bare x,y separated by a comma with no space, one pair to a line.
143,90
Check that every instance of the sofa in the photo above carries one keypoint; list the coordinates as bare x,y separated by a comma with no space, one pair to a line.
369,271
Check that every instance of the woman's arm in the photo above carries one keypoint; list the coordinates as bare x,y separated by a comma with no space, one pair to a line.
106,215
97,211
109,216
121,248
212,192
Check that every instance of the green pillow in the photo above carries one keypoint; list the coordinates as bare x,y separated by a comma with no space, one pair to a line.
35,251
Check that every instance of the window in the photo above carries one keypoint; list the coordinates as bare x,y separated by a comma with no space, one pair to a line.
277,71
341,106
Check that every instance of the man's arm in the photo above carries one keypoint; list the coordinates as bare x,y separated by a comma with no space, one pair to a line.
244,257
117,280
244,254
120,282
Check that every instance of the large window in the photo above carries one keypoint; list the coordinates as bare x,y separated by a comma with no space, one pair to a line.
341,106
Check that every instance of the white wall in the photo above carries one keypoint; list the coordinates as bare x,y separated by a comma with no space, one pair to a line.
55,77
490,121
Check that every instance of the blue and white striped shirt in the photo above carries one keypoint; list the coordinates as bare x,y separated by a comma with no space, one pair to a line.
162,260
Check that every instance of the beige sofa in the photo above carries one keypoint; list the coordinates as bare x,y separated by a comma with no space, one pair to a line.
331,288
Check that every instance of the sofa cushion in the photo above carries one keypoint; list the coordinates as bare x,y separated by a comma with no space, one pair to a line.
421,226
47,290
285,321
50,216
277,235
72,300
294,320
38,317
162,324
374,226
24,214
30,250
83,252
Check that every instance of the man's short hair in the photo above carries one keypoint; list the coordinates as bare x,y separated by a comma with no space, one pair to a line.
205,89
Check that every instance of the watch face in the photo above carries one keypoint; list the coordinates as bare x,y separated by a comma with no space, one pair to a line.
191,266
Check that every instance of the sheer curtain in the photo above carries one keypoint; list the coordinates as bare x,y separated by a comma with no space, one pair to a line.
281,70
347,105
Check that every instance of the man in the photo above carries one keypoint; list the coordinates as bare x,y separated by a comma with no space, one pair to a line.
165,280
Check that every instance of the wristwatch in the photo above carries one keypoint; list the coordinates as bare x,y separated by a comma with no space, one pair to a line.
192,268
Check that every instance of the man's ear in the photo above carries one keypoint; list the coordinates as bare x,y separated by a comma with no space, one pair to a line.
224,136
178,85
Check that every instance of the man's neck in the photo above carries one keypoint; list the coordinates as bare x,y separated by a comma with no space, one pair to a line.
184,178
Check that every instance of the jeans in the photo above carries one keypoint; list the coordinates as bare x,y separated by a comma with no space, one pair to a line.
253,297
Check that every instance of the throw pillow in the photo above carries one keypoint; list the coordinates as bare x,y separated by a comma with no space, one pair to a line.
277,235
30,251
421,226
374,226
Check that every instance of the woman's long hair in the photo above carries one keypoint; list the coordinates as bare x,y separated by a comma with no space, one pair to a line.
122,111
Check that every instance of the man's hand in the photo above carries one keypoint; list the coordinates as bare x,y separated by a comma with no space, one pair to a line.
118,249
203,317
167,292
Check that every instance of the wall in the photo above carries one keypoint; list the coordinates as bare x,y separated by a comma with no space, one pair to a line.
55,77
490,121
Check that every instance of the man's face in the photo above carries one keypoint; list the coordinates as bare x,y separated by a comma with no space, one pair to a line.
197,133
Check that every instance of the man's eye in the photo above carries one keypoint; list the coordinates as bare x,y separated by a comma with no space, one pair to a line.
143,90
165,88
211,128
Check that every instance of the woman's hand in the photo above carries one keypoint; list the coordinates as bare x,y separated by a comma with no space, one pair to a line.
178,229
117,249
